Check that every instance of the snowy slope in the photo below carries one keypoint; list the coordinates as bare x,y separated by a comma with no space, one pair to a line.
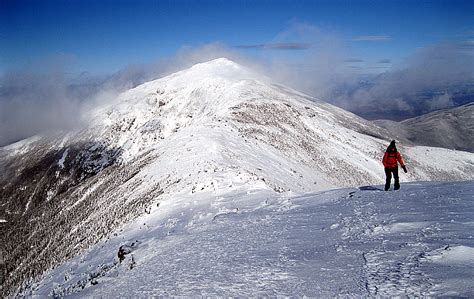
216,127
449,128
357,242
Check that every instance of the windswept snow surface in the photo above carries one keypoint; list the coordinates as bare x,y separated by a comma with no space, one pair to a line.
358,242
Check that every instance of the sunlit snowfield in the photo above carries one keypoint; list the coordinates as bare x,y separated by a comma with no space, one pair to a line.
416,241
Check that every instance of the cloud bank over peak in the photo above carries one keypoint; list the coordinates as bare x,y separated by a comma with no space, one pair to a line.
34,101
45,97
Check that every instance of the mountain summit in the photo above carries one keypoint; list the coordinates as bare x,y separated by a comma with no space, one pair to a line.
216,128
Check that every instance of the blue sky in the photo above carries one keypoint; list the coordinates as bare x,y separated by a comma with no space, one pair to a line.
106,36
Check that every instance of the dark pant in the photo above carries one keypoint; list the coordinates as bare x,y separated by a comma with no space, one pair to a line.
388,177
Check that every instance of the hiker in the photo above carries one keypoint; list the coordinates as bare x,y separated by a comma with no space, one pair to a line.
391,158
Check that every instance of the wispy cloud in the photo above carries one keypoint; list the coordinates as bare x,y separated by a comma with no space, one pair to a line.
467,45
277,46
467,33
403,90
428,80
372,38
377,67
350,60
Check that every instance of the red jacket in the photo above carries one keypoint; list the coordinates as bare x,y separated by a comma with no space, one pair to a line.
390,159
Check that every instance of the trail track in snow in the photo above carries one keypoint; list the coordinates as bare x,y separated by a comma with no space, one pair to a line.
417,241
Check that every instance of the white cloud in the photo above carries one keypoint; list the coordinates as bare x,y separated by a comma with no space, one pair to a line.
41,98
440,102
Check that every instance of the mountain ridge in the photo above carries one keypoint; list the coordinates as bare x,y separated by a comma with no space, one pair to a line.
447,128
216,127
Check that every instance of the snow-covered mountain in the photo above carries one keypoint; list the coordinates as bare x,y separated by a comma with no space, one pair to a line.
449,128
216,128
